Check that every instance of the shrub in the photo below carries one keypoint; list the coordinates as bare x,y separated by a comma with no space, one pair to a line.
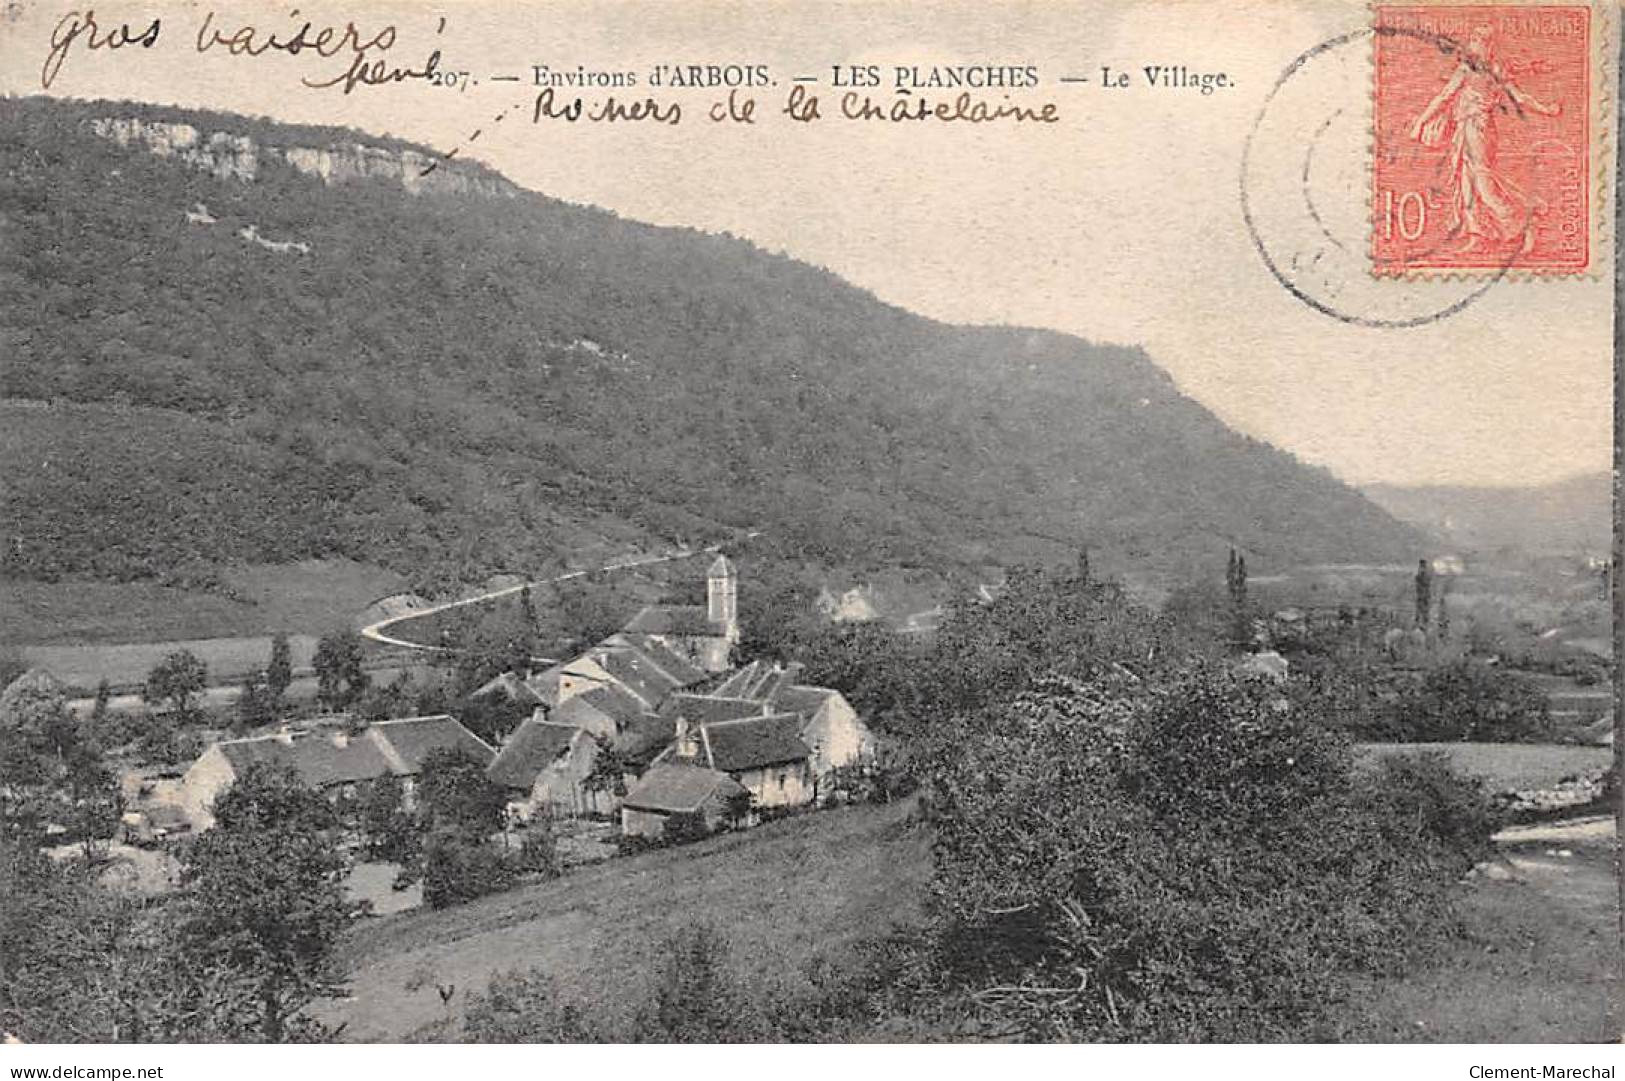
1468,700
523,1007
685,828
458,868
539,847
695,999
1187,858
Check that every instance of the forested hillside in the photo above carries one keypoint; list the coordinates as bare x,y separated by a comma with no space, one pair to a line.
470,377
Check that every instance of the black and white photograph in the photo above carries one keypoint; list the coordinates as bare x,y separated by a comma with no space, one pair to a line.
836,523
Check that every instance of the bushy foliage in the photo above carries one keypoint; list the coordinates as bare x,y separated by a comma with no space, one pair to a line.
388,832
1185,860
51,771
694,998
340,678
1469,700
454,793
538,847
458,867
82,963
262,907
174,684
523,1007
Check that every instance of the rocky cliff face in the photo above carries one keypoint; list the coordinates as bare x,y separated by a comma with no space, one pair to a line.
237,157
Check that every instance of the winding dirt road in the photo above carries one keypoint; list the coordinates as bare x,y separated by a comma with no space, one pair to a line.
379,631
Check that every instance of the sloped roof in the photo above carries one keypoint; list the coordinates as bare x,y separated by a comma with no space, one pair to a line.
317,757
672,788
415,738
721,567
674,664
511,685
738,682
758,741
328,758
545,684
637,674
768,687
577,711
678,619
533,747
607,698
798,698
708,709
642,742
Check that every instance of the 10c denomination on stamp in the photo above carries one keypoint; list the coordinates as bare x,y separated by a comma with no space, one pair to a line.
1483,143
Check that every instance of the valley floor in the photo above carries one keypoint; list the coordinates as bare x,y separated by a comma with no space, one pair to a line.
1535,963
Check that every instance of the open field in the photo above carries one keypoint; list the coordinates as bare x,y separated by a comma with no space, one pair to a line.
1533,963
782,894
312,597
126,666
1537,964
1506,767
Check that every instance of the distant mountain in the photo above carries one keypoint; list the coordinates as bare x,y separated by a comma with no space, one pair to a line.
231,340
1566,517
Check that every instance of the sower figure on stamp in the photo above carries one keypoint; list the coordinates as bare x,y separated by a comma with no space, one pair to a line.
1487,208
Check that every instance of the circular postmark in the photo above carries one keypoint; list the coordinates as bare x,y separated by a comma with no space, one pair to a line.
1307,193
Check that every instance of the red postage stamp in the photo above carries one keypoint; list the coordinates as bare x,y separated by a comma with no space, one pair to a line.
1483,139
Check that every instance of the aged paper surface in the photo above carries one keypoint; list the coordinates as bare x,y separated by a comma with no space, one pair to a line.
554,431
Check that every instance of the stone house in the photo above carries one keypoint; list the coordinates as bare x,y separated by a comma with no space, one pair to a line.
764,754
546,767
333,761
670,789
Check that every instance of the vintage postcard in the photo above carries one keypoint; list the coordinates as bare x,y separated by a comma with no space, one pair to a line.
808,522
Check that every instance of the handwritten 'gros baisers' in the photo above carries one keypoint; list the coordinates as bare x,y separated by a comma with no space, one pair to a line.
357,46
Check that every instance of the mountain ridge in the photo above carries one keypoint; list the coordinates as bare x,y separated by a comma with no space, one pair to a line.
450,385
1558,517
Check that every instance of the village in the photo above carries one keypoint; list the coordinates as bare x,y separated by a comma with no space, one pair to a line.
651,736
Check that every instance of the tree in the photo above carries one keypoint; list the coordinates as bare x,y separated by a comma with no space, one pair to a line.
83,963
94,802
174,683
607,775
454,793
256,703
1240,614
459,867
527,608
340,679
262,905
279,670
1206,864
387,830
1424,594
737,808
98,706
43,757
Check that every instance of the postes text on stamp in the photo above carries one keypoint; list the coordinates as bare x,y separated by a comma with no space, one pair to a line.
1482,139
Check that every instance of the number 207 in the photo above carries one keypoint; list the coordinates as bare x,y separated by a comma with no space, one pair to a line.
1407,215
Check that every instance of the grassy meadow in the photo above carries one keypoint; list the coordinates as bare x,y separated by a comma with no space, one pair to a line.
782,894
312,597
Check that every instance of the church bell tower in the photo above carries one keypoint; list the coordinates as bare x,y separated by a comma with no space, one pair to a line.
722,596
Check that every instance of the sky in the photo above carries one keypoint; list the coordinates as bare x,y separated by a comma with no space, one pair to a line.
1122,222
